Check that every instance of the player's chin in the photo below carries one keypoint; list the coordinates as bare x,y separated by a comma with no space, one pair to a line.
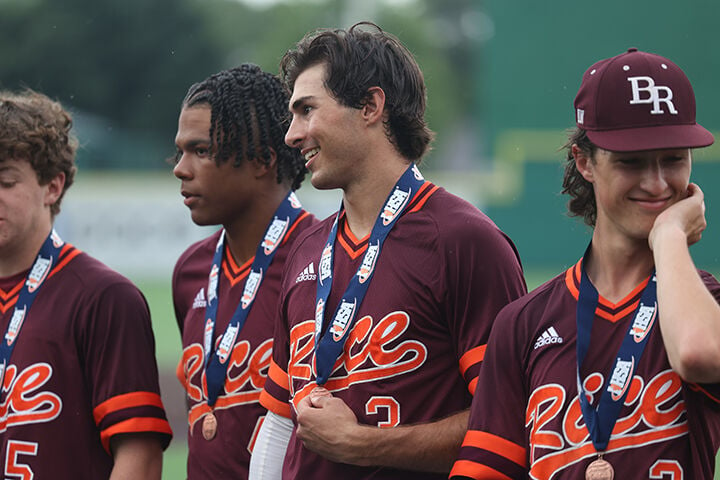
202,218
322,182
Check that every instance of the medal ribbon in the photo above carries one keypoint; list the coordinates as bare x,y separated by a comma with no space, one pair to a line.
329,346
45,261
217,360
600,421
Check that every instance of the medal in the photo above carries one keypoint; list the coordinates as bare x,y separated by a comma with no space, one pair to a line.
599,470
209,427
216,361
600,420
330,343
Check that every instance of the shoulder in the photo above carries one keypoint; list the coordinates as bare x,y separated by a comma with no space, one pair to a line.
459,225
86,276
304,223
314,233
708,279
452,213
201,249
531,306
711,283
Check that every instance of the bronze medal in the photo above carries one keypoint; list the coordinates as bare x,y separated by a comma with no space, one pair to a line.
209,426
599,470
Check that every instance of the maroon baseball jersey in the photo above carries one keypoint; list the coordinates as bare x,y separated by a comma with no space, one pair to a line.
414,352
83,370
238,412
526,420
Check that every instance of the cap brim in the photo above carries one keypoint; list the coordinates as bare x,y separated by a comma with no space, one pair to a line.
652,138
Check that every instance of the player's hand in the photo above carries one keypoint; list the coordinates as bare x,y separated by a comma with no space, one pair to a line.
688,215
327,426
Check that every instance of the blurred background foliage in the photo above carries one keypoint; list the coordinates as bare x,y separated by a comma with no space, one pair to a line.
123,67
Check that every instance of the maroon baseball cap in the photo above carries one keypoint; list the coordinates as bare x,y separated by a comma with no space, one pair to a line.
638,101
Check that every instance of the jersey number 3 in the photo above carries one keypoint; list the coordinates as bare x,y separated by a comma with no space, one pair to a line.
390,408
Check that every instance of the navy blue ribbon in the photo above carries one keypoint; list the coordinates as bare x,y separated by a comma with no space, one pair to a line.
600,421
44,263
217,360
329,346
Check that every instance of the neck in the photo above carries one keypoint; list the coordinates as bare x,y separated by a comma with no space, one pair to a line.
243,235
365,198
615,268
19,256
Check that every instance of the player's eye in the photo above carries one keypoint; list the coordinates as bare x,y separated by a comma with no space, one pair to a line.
674,159
7,182
629,161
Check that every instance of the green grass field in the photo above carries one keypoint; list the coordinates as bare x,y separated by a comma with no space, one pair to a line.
167,341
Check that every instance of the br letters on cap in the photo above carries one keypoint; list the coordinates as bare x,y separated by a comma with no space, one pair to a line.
638,101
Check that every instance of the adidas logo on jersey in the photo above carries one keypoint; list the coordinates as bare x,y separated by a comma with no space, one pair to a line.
199,301
549,336
307,274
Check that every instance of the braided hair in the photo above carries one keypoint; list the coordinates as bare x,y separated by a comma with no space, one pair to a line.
249,118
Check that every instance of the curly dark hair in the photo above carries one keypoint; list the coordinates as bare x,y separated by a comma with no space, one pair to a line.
582,194
37,129
249,117
362,57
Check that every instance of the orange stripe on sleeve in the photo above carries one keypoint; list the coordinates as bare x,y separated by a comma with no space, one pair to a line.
472,357
466,468
472,386
497,445
135,425
274,405
278,376
127,400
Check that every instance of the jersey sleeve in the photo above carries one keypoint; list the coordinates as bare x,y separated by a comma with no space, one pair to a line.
484,275
276,392
494,445
119,364
710,391
180,307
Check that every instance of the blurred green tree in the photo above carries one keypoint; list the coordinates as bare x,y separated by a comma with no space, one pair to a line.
124,67
129,62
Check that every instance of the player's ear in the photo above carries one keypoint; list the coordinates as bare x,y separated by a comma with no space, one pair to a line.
54,189
583,162
374,107
261,167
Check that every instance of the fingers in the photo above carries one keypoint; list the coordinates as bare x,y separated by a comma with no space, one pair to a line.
318,396
694,189
316,399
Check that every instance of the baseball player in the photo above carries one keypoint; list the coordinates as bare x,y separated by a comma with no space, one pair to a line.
237,172
80,395
612,369
378,350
